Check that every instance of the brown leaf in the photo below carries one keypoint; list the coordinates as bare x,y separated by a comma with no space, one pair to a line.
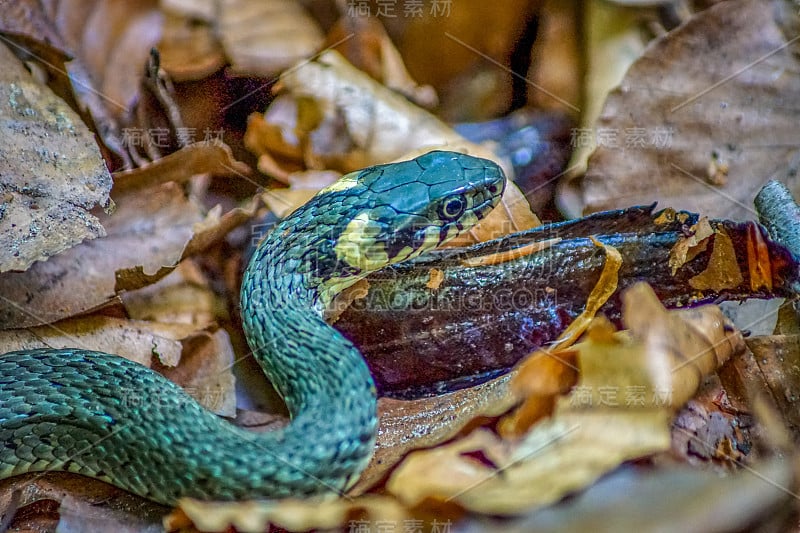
381,125
687,248
180,166
147,236
683,108
52,172
722,271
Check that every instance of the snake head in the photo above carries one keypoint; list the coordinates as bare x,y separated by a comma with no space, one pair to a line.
414,206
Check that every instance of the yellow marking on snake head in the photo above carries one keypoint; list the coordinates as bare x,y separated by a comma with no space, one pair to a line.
358,245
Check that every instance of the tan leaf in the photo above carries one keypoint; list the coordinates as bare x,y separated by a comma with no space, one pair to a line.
381,124
687,248
723,270
602,291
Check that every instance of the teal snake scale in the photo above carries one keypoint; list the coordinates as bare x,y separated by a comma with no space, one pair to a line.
70,409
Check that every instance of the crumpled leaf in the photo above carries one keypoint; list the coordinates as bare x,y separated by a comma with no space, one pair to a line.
263,37
681,115
52,173
380,125
630,382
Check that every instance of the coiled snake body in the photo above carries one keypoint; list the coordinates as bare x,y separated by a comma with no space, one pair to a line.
70,409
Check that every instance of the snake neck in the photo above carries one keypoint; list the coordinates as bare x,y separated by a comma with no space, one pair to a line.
321,376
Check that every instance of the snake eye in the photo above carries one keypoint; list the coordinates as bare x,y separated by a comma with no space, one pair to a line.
453,207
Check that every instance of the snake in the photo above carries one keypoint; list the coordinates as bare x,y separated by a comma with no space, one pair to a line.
70,409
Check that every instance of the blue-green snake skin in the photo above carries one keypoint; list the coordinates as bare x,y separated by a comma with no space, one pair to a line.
70,409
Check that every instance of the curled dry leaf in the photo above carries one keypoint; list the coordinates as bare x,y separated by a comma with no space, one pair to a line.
263,37
52,172
630,382
685,111
602,291
381,126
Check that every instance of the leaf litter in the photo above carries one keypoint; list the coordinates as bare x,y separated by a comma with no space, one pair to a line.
583,424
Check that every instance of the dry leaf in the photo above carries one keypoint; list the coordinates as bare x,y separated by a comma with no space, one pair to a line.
180,166
189,51
294,515
723,270
381,125
681,107
147,236
52,172
687,248
602,291
406,425
263,37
